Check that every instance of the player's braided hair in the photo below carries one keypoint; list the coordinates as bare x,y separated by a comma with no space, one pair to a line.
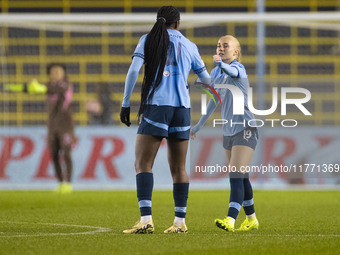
155,53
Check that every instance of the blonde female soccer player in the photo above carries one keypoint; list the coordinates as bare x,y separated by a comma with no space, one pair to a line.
239,141
164,111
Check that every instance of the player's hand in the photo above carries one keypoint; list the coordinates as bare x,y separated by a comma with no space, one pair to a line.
34,87
192,135
217,60
125,116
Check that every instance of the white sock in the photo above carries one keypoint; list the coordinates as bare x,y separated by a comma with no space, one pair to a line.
145,218
231,219
251,216
179,221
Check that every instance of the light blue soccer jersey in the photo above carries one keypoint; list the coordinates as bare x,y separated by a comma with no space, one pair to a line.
182,56
242,83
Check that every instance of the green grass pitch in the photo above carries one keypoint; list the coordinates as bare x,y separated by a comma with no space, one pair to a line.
41,222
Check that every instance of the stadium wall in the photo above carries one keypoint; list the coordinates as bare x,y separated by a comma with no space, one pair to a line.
104,159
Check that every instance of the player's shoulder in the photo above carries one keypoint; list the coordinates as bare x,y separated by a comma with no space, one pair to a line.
237,64
242,70
177,35
191,47
143,38
192,44
139,51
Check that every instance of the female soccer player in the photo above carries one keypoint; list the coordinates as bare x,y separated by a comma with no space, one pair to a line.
239,141
164,111
60,124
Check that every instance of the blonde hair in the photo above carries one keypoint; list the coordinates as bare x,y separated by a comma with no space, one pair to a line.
238,47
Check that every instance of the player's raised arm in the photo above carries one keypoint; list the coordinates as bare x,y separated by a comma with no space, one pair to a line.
33,87
204,77
228,69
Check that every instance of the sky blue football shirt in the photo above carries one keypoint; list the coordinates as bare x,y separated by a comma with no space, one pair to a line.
182,56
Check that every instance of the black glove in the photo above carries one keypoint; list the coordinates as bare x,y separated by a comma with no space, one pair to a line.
125,116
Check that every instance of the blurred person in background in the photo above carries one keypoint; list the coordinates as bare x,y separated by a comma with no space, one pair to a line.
100,108
60,124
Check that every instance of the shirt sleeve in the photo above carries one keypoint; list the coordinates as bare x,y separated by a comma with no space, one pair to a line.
231,70
241,70
197,64
139,51
204,77
131,79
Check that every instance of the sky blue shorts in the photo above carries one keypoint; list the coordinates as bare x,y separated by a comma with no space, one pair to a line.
165,121
247,137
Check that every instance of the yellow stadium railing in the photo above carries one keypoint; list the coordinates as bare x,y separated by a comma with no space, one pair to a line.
187,5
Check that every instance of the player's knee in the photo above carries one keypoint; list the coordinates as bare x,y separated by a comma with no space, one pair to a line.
179,175
67,157
177,169
142,167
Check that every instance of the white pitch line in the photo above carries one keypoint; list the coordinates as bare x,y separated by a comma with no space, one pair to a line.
103,230
95,231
